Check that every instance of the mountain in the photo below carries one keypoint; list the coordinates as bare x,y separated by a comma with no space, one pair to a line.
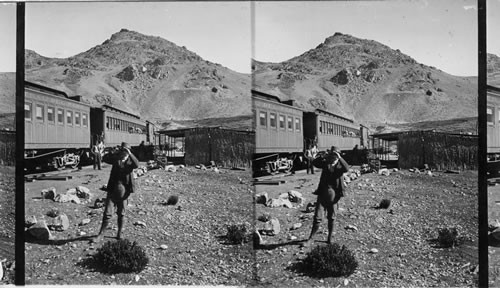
368,82
8,100
146,75
493,69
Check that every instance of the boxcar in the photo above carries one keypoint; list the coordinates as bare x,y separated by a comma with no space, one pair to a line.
53,120
115,126
328,129
278,125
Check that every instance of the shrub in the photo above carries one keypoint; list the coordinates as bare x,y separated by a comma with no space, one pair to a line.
448,237
330,260
237,233
172,200
384,204
121,256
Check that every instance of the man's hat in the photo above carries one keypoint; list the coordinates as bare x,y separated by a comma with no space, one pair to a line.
125,145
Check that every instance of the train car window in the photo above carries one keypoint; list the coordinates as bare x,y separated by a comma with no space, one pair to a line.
297,124
282,122
51,115
263,119
290,123
320,126
69,117
77,118
39,112
272,120
60,116
489,115
85,120
27,111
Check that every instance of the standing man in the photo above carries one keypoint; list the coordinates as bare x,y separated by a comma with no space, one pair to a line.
120,185
311,153
330,189
98,151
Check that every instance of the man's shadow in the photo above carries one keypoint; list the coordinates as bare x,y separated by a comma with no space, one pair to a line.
57,242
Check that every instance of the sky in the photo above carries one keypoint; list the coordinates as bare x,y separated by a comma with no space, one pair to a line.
8,37
217,31
440,33
493,27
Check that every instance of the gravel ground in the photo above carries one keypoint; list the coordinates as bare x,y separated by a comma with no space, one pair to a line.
7,218
404,234
192,231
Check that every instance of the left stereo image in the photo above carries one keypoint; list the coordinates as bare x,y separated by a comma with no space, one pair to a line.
7,142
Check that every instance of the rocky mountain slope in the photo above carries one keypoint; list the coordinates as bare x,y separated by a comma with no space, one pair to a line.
493,69
7,100
369,82
146,75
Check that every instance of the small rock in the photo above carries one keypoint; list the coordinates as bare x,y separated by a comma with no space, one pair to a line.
49,193
271,227
82,233
374,250
83,192
292,237
84,222
310,207
140,223
30,221
351,227
163,247
273,203
296,226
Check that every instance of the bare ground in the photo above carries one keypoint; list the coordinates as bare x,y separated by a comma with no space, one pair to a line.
494,246
197,252
7,218
408,253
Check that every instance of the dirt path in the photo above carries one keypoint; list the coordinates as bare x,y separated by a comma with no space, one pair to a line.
494,248
192,230
404,234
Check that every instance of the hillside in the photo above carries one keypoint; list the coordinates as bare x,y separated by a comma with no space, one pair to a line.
493,69
7,100
369,82
146,75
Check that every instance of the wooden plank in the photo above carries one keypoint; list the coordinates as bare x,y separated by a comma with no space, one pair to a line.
268,182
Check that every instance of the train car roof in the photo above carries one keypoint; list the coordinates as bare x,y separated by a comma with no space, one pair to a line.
46,89
108,107
331,114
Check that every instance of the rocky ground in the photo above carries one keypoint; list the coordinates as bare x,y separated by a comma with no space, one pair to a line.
185,242
7,229
404,235
494,245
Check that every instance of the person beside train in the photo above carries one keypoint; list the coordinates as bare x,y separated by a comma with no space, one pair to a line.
98,151
311,153
120,185
330,189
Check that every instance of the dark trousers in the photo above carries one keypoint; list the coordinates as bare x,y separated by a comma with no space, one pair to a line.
97,161
310,165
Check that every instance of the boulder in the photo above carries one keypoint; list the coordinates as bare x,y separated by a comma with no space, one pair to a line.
40,231
384,172
296,226
261,198
170,168
283,196
65,198
49,193
271,227
273,203
30,221
60,223
310,207
83,192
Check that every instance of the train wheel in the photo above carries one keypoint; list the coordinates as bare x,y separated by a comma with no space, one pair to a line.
75,163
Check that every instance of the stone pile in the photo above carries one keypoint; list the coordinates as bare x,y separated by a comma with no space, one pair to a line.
78,195
283,200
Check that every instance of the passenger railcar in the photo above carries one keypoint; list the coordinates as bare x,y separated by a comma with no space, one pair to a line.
278,125
60,130
326,129
55,124
493,130
114,126
283,132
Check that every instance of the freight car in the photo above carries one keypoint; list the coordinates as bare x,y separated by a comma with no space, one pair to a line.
59,129
493,131
283,131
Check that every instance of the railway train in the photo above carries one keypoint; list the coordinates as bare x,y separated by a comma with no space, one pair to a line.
493,131
60,130
283,131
